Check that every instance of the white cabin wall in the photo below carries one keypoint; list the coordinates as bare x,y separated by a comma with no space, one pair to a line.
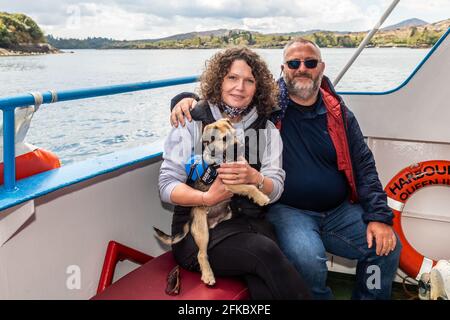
419,111
72,226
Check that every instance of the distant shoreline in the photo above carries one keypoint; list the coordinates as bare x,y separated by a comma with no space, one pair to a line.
8,53
70,50
13,53
29,50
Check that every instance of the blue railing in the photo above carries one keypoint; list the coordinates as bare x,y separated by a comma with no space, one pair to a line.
9,104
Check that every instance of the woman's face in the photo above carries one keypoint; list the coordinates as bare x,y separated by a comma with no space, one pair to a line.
239,85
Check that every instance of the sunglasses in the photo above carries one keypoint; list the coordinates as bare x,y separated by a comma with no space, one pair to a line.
295,64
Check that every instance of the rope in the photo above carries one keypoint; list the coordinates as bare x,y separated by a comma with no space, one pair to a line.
412,296
38,100
54,96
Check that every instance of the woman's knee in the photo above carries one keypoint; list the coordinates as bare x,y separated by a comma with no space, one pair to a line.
264,248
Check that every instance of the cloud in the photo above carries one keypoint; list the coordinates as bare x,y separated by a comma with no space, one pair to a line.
143,19
235,9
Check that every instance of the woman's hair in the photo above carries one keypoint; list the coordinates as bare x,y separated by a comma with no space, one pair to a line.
219,65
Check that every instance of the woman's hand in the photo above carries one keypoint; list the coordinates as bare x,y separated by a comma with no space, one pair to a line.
182,109
239,172
216,193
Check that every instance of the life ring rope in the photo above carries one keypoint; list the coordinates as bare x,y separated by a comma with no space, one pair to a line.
396,205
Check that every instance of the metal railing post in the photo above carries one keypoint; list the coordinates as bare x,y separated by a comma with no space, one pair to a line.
9,152
366,40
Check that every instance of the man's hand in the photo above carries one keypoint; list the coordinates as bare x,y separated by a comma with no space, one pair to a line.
182,109
384,237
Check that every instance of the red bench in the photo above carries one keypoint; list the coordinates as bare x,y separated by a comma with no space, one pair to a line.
149,281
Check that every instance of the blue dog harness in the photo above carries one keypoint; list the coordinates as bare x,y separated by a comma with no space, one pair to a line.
197,169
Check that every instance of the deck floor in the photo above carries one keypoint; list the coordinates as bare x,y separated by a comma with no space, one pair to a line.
342,285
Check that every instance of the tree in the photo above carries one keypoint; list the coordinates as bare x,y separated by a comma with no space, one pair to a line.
5,40
19,28
345,41
251,40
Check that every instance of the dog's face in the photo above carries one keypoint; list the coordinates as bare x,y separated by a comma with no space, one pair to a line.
220,142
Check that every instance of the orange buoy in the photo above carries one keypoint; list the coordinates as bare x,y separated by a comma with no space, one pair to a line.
33,162
30,159
399,190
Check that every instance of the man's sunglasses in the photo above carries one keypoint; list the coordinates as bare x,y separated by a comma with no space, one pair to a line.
295,64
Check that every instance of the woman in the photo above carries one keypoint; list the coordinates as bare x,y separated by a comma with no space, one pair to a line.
238,85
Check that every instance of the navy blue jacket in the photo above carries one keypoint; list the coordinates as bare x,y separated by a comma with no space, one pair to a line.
361,174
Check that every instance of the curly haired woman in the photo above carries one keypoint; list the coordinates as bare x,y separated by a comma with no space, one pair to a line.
237,85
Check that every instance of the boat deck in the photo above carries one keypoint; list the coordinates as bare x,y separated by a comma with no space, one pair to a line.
342,285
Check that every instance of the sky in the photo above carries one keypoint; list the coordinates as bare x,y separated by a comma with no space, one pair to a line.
150,19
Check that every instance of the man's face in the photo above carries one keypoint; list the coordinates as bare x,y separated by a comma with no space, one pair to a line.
302,83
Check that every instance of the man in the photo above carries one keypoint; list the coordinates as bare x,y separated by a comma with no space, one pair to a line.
333,200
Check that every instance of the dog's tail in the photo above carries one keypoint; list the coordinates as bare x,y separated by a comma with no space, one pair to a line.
169,240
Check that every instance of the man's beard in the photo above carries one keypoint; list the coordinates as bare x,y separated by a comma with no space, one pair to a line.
303,90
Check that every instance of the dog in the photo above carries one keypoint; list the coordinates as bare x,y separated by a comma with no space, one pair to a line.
219,139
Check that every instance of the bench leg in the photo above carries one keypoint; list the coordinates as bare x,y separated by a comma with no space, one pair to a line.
114,253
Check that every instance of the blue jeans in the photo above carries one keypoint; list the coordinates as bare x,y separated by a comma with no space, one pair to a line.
304,237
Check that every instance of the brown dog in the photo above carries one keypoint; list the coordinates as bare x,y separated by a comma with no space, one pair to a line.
218,138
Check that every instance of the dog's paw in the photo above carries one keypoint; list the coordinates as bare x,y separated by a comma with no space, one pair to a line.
208,278
261,199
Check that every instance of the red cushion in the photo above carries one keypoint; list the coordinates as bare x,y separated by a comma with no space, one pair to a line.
149,282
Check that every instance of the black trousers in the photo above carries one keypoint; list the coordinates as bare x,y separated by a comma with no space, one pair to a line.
259,260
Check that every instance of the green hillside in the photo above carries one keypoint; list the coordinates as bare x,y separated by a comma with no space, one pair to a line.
20,35
419,36
17,29
413,37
